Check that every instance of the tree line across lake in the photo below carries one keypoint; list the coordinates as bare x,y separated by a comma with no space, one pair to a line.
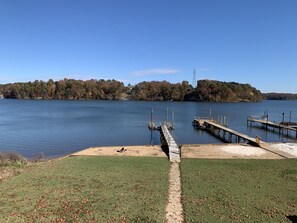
206,90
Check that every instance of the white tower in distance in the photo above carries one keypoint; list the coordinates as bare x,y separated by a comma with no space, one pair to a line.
194,82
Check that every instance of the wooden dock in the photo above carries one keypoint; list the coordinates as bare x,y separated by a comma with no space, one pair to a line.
174,150
227,135
282,129
224,133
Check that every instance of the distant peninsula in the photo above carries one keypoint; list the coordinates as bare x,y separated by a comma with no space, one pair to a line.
70,89
279,96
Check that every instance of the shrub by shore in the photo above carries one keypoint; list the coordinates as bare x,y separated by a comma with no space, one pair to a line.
11,163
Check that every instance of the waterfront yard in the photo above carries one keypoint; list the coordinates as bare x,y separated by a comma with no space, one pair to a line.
135,189
239,190
88,189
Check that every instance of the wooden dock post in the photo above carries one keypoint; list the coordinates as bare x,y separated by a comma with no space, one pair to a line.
172,119
230,137
258,140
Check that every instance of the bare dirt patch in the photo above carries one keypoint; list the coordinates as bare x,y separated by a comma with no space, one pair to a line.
151,151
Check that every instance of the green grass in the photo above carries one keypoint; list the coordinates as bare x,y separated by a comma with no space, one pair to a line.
239,190
88,189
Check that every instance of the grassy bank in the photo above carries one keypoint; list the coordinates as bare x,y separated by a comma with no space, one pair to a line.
239,190
88,189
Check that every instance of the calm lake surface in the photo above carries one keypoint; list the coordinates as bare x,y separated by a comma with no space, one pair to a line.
57,128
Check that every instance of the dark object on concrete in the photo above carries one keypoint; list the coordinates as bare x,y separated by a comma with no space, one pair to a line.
121,150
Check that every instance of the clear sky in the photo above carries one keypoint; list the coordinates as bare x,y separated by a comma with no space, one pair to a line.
246,41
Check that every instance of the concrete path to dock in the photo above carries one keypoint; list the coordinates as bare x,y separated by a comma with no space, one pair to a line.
174,208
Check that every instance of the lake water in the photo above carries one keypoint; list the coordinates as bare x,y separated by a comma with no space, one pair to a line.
56,128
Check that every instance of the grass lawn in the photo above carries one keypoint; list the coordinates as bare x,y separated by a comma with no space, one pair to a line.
88,189
239,190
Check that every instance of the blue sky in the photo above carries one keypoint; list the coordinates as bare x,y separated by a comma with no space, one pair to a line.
246,41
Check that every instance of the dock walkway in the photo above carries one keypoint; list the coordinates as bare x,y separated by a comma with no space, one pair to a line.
174,151
216,129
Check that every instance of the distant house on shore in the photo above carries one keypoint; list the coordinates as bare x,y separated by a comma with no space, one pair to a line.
1,96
